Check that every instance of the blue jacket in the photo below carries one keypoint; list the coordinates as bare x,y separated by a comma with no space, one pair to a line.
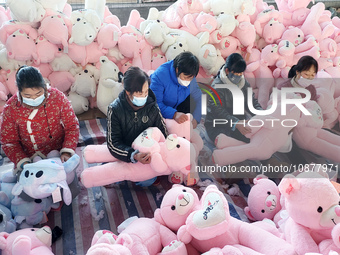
169,93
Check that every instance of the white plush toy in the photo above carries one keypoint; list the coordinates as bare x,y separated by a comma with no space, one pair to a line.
219,6
85,84
57,5
26,10
109,86
210,59
96,5
226,24
65,63
86,24
79,103
9,63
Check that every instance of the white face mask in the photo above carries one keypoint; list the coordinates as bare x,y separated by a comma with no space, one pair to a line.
183,83
303,82
33,102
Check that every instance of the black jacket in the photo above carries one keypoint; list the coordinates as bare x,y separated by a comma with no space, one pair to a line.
225,111
124,124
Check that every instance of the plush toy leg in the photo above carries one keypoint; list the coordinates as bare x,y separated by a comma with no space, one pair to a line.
223,141
22,245
98,154
326,246
41,250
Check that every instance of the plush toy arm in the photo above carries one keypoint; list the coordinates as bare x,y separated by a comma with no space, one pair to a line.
157,163
21,245
17,189
109,83
98,154
184,235
67,195
41,250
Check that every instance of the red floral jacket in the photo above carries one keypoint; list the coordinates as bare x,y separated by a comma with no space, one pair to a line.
26,132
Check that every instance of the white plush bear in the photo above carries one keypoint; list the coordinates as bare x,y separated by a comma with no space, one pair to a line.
210,59
65,64
86,24
109,86
85,84
79,103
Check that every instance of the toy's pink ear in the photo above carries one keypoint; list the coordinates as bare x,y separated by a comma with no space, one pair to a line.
125,240
259,177
3,241
288,185
248,213
158,217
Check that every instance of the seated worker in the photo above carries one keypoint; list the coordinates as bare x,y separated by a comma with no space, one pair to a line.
176,89
130,114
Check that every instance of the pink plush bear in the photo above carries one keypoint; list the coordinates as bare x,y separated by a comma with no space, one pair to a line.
46,51
27,241
245,32
228,45
269,136
312,204
108,36
291,5
273,31
15,49
77,53
264,17
61,80
9,27
294,35
94,52
309,135
157,58
263,200
212,226
173,154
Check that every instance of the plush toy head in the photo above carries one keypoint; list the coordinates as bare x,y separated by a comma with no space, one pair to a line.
263,199
176,48
85,83
79,103
311,200
26,241
61,80
148,140
14,46
273,31
46,51
177,204
293,34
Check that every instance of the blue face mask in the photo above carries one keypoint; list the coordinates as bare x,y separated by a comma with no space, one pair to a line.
33,102
139,101
234,78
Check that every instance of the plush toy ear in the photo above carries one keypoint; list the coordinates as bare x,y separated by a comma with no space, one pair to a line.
259,177
288,185
3,241
125,240
17,189
248,213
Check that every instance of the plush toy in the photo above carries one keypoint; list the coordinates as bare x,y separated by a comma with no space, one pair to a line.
309,135
328,48
216,7
210,59
7,183
3,96
42,178
291,5
77,54
61,80
173,154
26,11
57,5
263,200
4,15
146,236
27,241
157,58
9,63
44,68
228,45
86,24
264,17
64,63
7,224
109,85
79,103
56,29
108,36
10,81
294,35
85,83
245,32
313,194
269,135
104,243
11,26
179,45
178,202
33,212
46,51
212,226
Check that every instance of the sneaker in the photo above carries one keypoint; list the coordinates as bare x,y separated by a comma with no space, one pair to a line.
176,178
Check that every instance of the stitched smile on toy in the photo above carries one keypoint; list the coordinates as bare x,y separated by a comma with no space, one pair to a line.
213,212
186,201
334,221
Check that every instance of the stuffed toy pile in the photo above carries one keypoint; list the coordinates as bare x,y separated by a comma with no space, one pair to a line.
63,43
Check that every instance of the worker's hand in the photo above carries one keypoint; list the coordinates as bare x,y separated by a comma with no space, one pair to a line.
243,128
144,158
180,117
65,156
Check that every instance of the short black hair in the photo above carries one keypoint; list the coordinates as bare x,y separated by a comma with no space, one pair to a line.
29,77
186,63
134,79
235,63
304,64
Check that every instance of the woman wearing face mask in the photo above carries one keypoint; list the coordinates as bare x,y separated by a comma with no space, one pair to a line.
130,114
232,74
37,120
176,89
302,75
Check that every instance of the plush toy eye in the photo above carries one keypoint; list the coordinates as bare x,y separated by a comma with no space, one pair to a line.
184,137
84,23
39,174
270,24
299,35
158,21
36,43
180,45
78,19
1,218
85,71
14,35
268,193
184,190
222,12
320,209
178,146
339,202
38,201
27,173
174,48
32,229
173,208
262,211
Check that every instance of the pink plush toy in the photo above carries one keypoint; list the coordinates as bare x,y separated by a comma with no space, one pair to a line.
269,136
264,17
27,241
10,81
104,243
245,32
199,22
94,52
61,80
273,31
173,154
309,135
148,237
108,36
263,200
294,35
3,96
312,203
9,27
295,18
77,54
328,48
228,45
14,46
56,29
292,5
46,51
212,226
157,58
44,68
